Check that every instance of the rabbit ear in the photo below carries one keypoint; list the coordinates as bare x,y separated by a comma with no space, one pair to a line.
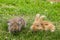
37,17
42,17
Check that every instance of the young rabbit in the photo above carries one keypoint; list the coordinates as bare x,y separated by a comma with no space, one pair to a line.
41,24
36,24
16,24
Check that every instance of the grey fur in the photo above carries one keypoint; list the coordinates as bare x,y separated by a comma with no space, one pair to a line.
16,23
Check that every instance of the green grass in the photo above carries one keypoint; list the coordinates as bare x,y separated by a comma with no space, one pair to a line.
29,8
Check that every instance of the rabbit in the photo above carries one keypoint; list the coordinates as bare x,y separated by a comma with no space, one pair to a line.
16,24
36,24
40,24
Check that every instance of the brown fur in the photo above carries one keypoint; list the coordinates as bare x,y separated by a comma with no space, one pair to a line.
36,24
48,26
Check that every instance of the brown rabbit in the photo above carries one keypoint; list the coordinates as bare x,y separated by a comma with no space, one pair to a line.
16,24
36,24
41,24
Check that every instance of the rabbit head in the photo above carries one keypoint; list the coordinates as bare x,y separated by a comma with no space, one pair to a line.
36,24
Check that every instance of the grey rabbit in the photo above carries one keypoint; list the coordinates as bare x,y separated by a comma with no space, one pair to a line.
16,24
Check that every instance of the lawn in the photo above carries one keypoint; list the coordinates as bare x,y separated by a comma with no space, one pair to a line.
28,9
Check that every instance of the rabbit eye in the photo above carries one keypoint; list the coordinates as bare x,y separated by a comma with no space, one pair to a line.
46,24
37,25
41,24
